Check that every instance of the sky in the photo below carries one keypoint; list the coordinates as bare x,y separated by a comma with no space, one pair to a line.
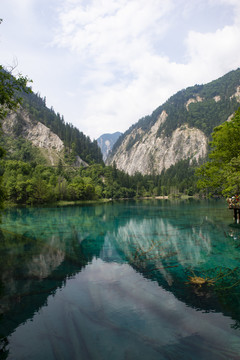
104,64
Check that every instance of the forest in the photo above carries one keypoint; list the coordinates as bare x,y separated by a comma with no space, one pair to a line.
221,174
26,178
204,115
73,139
33,183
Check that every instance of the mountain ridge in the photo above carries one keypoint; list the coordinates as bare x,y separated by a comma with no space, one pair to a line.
41,128
156,141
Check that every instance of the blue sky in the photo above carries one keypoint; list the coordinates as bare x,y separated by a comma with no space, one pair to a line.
104,64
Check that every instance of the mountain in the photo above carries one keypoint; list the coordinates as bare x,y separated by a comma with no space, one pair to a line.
28,140
36,133
179,129
106,142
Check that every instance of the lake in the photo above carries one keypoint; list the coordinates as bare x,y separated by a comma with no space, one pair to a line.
116,281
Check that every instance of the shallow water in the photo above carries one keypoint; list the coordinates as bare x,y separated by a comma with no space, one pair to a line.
111,281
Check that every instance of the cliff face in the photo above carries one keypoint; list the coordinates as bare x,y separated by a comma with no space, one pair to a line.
35,124
20,125
152,153
39,134
179,129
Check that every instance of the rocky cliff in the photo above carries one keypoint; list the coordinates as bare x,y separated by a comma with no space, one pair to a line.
152,154
20,125
179,129
34,123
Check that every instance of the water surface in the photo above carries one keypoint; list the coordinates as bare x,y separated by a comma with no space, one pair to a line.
111,281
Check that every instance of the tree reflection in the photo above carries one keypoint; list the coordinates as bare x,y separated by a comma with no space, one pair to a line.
37,262
42,248
171,252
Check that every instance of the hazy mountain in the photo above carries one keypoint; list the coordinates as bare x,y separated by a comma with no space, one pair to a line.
179,129
106,142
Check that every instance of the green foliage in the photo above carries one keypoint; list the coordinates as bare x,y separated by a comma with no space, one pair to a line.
204,115
20,149
221,174
179,178
77,143
10,88
28,183
10,91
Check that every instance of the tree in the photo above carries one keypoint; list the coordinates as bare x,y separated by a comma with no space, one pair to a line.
60,167
221,174
10,97
11,88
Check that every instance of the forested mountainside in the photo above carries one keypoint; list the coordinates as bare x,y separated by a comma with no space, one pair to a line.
179,129
137,164
106,142
75,142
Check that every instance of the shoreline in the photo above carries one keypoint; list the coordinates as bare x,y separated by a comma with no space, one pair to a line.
85,202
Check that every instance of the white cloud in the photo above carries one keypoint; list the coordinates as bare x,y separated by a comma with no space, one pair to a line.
214,53
104,64
128,73
112,31
119,39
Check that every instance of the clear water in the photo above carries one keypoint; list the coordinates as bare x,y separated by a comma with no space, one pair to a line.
111,281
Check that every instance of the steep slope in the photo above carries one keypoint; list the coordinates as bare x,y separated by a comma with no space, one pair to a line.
36,133
19,125
106,142
78,143
179,129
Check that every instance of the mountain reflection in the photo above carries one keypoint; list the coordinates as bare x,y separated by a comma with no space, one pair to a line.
39,250
42,248
158,240
169,251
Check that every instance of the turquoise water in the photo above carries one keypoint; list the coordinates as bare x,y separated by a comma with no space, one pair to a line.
112,281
